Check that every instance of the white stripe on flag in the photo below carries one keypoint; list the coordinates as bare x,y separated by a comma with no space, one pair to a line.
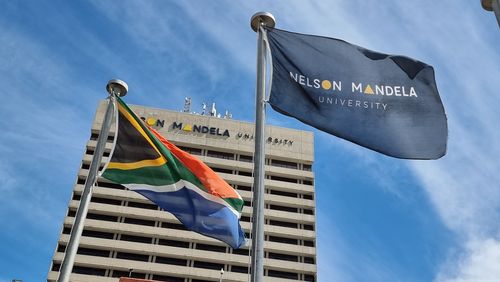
178,186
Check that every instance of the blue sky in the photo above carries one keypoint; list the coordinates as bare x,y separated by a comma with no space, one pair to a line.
379,218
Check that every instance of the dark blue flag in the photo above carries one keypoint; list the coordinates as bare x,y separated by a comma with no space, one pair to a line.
386,103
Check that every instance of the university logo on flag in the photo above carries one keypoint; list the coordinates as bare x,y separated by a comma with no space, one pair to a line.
145,162
386,103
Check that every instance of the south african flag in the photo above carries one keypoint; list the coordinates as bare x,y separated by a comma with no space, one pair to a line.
145,162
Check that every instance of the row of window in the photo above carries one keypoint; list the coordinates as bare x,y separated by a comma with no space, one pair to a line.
150,206
146,222
244,158
224,155
230,171
136,274
177,261
178,226
81,181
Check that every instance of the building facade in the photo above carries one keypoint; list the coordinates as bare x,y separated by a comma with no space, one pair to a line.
125,234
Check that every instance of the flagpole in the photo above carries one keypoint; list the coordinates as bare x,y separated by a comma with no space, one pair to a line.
115,87
259,21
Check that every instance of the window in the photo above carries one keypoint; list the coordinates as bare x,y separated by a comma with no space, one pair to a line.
308,243
282,274
143,205
66,230
308,211
133,238
309,277
61,248
247,159
131,256
245,218
102,217
139,221
172,261
239,269
89,270
167,278
97,234
192,151
285,194
245,173
309,260
95,136
283,208
283,240
283,223
222,170
110,185
306,167
244,188
92,252
308,197
309,227
106,201
71,213
307,182
118,273
284,179
173,243
244,252
212,248
173,226
55,267
284,164
282,257
220,155
207,265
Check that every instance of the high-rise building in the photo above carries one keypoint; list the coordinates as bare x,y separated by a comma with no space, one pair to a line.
125,234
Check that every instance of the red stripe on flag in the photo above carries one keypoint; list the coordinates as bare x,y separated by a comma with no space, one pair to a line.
213,182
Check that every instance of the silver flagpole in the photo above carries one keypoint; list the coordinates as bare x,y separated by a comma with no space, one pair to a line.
115,87
258,21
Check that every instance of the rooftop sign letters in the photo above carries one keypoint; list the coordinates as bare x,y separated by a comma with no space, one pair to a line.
201,129
154,122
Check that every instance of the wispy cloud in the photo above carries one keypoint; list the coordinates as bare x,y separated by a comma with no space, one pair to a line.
479,262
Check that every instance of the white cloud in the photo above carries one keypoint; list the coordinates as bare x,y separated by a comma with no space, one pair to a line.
480,263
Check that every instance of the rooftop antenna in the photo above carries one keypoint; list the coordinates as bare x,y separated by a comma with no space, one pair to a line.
187,105
204,109
213,111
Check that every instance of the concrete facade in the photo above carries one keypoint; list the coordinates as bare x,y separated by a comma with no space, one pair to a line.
125,233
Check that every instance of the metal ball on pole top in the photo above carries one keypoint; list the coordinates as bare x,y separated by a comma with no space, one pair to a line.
115,88
258,22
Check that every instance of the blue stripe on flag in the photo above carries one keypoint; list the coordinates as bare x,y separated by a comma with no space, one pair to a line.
200,214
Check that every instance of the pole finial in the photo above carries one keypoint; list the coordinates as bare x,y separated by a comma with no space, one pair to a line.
262,18
117,87
487,5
